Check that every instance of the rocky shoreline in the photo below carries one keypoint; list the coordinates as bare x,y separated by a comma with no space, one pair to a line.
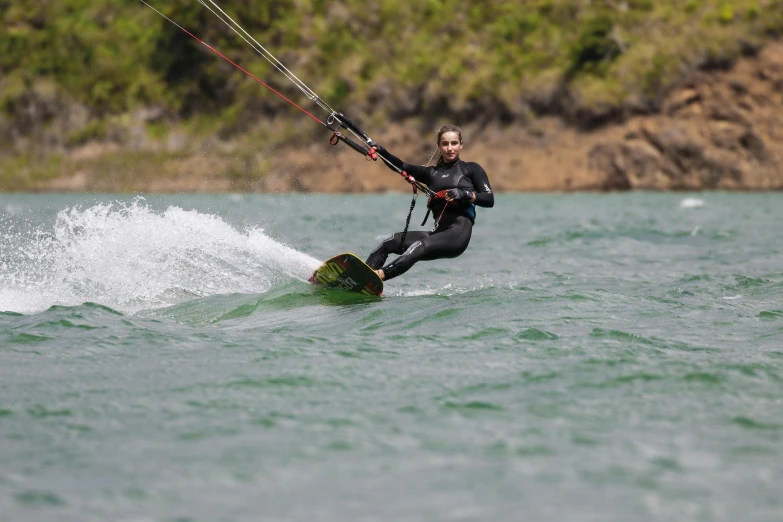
722,129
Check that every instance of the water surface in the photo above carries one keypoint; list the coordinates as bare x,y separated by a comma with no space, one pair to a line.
590,357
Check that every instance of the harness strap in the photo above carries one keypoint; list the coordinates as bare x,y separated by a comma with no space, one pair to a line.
437,221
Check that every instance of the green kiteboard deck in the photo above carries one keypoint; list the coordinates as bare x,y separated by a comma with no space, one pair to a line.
348,272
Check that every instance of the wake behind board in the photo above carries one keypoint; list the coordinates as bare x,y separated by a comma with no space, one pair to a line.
348,272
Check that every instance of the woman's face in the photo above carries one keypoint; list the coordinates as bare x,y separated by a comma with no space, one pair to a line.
450,145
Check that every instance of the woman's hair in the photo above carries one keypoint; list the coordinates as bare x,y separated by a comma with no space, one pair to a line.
443,130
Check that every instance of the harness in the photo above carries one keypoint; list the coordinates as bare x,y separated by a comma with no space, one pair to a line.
469,212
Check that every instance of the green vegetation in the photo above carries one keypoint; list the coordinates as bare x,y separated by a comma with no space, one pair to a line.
94,130
382,58
26,171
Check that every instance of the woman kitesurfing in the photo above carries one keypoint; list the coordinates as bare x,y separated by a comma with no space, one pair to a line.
458,188
454,187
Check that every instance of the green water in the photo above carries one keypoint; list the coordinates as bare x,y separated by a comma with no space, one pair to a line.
589,358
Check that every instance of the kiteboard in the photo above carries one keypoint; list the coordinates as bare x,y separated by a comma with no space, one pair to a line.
348,272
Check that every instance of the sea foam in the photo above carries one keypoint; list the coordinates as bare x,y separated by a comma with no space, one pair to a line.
130,257
692,203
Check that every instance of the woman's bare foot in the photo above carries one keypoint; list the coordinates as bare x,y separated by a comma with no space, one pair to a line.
381,274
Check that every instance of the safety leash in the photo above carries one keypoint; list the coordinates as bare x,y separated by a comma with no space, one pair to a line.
408,220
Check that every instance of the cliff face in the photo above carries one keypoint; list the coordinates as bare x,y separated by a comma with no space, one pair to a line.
723,129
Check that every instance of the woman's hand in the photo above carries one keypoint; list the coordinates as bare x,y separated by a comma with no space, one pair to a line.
458,194
454,195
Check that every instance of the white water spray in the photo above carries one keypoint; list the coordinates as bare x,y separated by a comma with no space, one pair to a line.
131,258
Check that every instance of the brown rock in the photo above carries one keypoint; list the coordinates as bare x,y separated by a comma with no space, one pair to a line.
629,166
679,100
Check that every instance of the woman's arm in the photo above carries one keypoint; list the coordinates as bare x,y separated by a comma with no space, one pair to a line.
393,162
483,196
420,173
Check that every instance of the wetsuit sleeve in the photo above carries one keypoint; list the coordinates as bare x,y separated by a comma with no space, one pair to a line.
419,172
484,196
393,161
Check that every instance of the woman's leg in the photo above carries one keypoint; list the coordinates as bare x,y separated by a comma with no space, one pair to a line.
392,244
446,243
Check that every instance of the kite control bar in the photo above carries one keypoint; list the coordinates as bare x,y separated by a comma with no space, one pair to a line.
364,151
337,120
351,126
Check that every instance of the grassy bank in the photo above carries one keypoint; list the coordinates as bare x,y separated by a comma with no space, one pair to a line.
384,57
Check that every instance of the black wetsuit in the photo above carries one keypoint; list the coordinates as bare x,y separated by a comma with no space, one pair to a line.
454,222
